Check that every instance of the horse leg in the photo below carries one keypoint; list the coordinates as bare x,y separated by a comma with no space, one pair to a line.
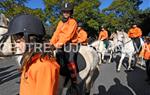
142,61
103,55
89,83
111,54
120,62
129,62
100,58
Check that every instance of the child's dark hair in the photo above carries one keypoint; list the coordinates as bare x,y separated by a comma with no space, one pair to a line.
28,55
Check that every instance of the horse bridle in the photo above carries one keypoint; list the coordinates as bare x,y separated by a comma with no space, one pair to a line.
123,41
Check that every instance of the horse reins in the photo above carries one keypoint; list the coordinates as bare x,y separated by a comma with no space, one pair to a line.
4,27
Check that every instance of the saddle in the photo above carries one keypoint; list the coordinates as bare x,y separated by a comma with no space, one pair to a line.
61,59
137,43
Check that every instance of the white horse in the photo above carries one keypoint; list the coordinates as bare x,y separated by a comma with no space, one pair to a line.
86,75
100,47
114,45
127,48
102,51
5,41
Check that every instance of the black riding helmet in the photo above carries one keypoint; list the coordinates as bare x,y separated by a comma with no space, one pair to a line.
26,24
67,7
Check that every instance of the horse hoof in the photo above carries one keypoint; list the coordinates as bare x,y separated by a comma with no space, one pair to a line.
109,62
118,71
104,61
130,69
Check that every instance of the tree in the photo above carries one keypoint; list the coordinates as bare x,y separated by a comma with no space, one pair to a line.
122,13
14,7
145,21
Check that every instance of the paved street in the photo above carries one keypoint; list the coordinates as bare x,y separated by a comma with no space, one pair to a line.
109,82
9,77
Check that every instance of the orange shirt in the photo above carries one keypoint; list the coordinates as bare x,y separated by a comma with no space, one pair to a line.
103,35
145,51
135,33
65,32
82,36
41,78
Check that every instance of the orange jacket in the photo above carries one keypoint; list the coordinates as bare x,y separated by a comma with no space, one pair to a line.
41,78
145,51
103,35
135,33
82,36
65,32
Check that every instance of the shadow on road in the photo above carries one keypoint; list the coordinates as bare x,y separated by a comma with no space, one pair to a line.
136,80
102,90
5,68
6,74
116,89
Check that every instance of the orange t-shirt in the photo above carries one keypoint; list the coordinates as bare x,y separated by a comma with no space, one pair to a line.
103,35
145,51
82,36
41,78
65,32
135,33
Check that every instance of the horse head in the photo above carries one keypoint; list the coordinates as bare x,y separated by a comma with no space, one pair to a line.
98,45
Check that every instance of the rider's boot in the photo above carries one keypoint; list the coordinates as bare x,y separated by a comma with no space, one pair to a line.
73,72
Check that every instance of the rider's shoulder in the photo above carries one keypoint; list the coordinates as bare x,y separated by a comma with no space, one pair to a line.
72,20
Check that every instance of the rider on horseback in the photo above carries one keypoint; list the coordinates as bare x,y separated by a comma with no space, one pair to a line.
135,34
65,39
103,36
82,34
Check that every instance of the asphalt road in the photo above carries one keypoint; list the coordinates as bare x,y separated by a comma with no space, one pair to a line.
9,77
109,82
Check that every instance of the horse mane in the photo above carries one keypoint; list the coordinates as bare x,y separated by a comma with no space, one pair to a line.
113,35
126,36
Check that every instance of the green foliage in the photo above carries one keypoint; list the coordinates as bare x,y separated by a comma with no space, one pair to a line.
145,21
122,13
14,7
119,15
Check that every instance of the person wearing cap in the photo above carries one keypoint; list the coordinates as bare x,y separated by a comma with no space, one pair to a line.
82,34
145,53
103,36
40,70
135,33
65,40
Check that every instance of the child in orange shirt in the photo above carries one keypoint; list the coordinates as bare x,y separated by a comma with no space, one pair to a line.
146,54
40,71
82,34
